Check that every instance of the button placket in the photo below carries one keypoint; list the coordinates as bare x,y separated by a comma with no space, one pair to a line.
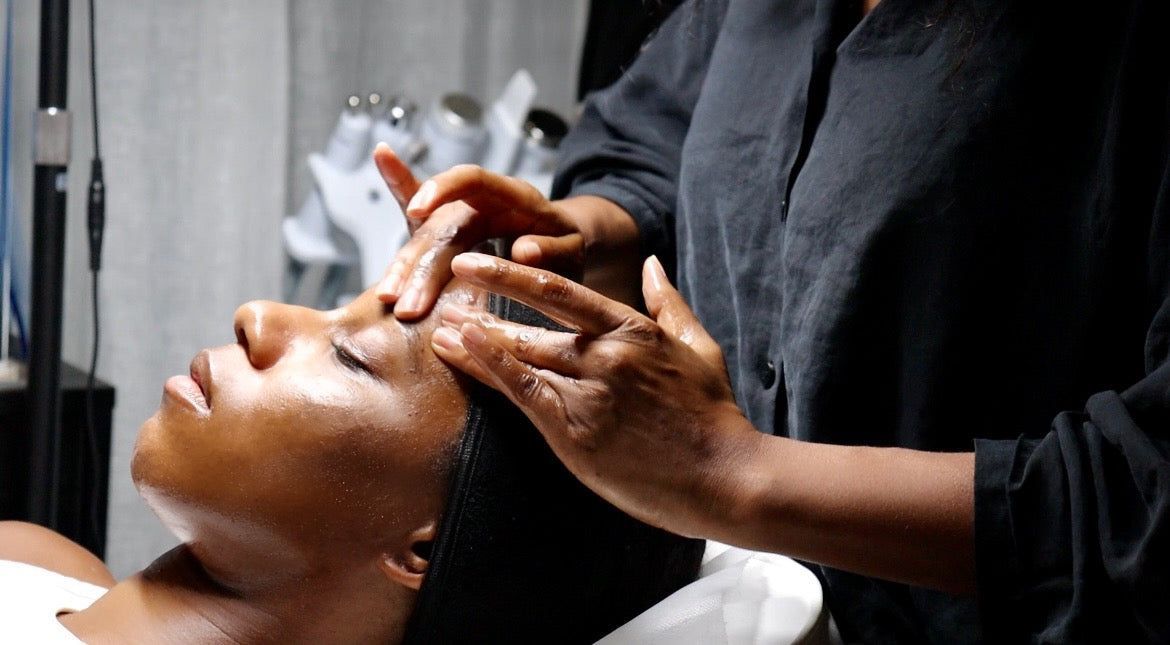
768,375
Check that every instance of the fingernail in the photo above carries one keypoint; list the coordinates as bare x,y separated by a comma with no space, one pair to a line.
409,302
469,262
390,284
657,273
382,145
422,199
527,249
446,338
473,333
455,314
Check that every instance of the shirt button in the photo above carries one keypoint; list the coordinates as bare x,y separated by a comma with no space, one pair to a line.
768,375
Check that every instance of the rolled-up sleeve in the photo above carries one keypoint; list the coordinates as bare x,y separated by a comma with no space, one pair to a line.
1072,529
627,145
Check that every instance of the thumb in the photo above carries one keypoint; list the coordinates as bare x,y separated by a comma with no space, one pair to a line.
564,254
666,306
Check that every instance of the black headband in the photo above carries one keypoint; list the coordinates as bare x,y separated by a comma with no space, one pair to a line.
525,553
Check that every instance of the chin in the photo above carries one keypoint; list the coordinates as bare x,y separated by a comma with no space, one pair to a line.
148,471
145,450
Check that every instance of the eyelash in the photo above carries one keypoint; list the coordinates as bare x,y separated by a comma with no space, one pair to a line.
349,360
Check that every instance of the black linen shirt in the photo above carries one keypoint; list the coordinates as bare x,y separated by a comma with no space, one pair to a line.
942,226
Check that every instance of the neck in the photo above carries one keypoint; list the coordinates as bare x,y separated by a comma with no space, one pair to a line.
175,600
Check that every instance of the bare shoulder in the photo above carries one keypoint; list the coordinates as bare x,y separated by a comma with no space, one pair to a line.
41,547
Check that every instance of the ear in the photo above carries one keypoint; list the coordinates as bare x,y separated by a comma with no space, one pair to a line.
409,565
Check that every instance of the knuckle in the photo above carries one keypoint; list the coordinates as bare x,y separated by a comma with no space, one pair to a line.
423,237
585,438
444,235
528,340
528,386
553,288
611,357
397,267
525,189
426,262
474,176
590,431
565,355
498,271
643,331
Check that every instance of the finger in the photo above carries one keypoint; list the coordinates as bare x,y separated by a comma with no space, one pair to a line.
447,344
390,288
399,179
668,308
563,254
421,267
481,189
397,174
430,273
544,348
557,297
527,387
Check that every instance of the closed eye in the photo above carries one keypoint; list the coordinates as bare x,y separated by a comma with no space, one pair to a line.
350,360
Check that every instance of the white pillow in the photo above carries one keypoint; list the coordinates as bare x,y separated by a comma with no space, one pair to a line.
741,598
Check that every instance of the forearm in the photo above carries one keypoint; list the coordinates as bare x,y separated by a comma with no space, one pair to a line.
612,253
890,513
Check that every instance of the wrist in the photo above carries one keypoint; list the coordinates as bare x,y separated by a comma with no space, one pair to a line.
759,503
734,483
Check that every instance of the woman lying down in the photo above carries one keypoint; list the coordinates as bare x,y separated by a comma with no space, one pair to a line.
332,481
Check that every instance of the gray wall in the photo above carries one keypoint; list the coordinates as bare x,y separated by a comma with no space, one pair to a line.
194,134
208,110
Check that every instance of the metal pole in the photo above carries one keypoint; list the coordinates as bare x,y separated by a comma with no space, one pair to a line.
48,263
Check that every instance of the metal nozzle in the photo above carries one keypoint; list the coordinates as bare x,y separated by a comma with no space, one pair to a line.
400,111
545,128
353,102
460,110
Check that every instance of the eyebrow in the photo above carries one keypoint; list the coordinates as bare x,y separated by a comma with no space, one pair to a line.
410,332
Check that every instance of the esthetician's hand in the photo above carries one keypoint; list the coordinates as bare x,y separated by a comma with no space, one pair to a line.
639,408
457,210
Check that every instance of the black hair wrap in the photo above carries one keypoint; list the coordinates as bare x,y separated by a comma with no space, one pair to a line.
525,553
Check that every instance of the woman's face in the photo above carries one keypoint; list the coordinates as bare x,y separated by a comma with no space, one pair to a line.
316,434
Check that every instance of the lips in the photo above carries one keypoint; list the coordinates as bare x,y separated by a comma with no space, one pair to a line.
193,389
200,371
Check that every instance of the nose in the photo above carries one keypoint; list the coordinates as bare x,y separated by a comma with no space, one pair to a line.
265,330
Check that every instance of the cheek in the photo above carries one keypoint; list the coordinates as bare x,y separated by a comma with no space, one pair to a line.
299,444
301,454
256,453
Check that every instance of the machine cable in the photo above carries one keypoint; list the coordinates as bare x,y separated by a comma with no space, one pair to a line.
96,223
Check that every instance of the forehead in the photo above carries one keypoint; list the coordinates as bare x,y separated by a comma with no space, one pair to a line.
369,308
367,311
369,314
